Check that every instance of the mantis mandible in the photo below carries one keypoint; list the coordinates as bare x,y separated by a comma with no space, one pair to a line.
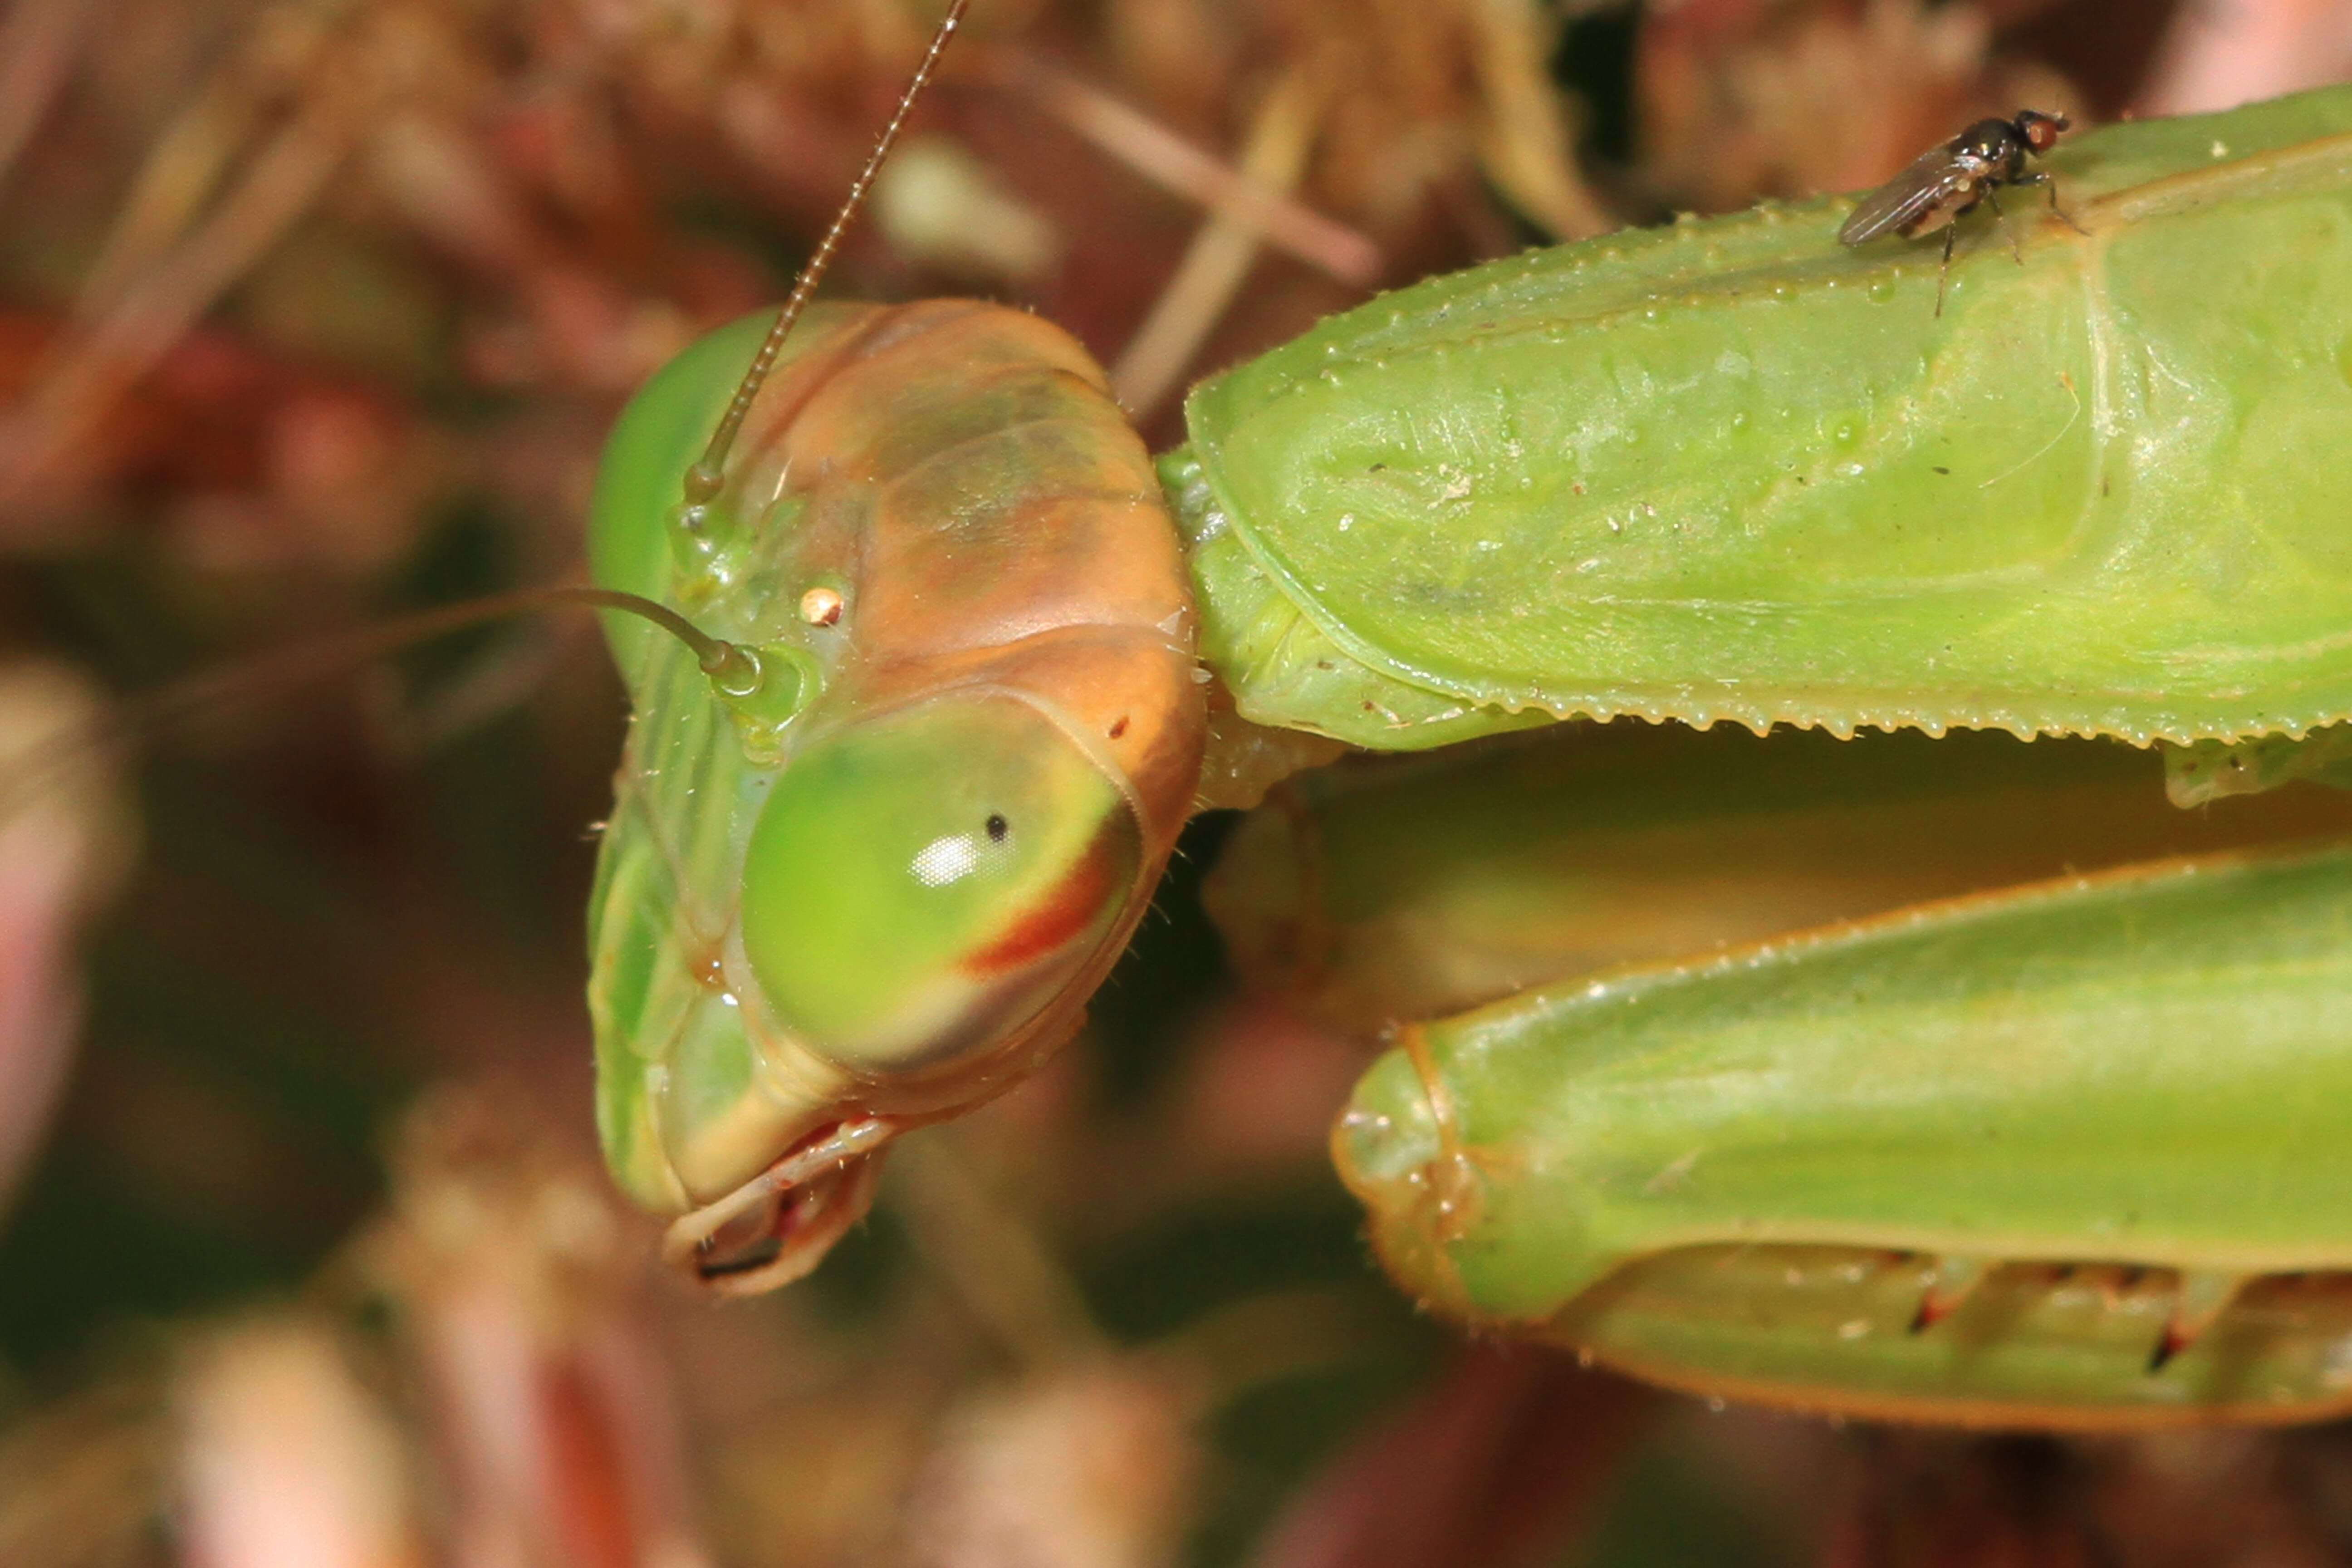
2067,1157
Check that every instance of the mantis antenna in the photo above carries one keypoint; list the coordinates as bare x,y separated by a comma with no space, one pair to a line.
734,671
702,479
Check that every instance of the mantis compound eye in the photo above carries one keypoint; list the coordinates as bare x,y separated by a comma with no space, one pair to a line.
922,885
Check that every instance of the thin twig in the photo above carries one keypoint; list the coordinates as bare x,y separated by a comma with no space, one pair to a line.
185,167
154,313
37,45
1220,256
1168,160
1523,138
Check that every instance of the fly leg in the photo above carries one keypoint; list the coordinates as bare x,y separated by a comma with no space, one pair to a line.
1945,271
2050,184
2002,219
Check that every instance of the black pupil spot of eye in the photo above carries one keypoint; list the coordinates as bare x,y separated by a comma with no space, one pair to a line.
997,827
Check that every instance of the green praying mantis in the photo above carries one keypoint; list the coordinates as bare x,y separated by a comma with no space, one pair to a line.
2071,1155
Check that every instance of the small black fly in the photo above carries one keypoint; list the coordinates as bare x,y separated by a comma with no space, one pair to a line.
1945,182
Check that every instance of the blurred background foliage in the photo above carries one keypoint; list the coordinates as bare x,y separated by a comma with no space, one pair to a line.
314,311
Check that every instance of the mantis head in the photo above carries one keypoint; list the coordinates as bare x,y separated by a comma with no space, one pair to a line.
927,897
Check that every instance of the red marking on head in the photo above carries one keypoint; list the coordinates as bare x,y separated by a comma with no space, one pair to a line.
1063,913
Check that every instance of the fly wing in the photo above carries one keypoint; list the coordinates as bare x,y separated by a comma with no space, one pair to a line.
1934,176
